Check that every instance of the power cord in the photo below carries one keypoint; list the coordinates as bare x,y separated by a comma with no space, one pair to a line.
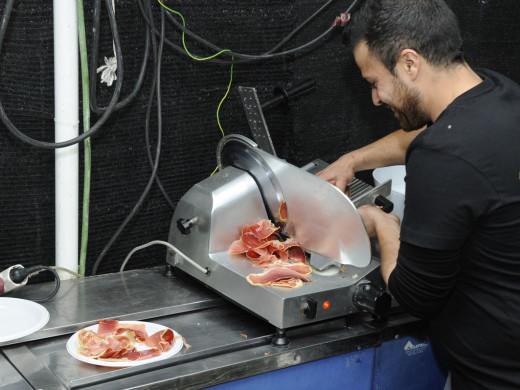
249,57
168,245
20,274
157,82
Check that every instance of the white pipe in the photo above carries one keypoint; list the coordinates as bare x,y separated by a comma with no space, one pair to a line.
66,106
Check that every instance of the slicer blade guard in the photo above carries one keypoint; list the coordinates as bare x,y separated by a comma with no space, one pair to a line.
320,217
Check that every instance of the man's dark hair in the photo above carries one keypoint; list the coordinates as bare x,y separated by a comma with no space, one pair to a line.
389,26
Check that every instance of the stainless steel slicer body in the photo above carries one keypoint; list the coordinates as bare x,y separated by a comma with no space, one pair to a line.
210,217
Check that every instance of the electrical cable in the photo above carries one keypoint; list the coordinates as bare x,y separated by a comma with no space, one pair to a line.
94,61
148,114
204,59
86,143
183,37
248,58
218,110
157,75
172,45
301,26
268,55
75,274
156,81
167,244
56,288
251,57
19,274
224,98
110,108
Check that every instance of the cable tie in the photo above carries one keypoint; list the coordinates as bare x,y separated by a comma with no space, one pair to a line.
341,20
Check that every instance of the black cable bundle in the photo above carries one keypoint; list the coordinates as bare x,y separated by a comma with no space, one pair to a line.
111,107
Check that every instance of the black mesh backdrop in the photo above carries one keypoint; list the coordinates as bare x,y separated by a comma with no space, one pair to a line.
337,117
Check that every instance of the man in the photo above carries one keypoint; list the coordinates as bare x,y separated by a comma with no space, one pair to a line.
455,257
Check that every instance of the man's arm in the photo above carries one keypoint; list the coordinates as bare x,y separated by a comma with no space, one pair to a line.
423,279
389,150
385,227
420,279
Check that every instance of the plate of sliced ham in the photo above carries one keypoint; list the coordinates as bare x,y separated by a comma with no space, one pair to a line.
113,343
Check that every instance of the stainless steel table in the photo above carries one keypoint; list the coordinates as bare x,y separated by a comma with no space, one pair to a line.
227,343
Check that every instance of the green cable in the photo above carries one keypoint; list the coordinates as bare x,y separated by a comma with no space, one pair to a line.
86,126
204,59
224,98
218,108
183,35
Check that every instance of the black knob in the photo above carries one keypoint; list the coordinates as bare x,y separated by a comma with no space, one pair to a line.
370,298
185,225
310,308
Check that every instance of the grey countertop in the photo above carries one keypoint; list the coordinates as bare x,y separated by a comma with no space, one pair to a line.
226,342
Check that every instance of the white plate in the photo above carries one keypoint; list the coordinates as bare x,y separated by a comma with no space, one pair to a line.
151,328
20,317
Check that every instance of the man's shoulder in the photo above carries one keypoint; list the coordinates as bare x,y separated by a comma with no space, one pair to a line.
498,80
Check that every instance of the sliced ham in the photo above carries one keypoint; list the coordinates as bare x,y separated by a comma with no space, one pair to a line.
282,212
116,348
91,344
296,253
141,355
260,239
263,229
284,260
252,241
100,346
125,336
238,247
139,331
301,268
265,261
274,245
115,341
257,253
107,326
162,340
275,274
288,283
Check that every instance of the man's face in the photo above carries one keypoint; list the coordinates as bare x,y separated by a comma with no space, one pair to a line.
388,90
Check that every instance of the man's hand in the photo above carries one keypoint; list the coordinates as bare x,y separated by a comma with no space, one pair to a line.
386,228
340,173
389,150
375,218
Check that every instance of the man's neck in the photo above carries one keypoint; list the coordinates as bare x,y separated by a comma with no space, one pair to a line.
445,85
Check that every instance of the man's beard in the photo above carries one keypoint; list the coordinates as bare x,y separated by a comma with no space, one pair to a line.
408,112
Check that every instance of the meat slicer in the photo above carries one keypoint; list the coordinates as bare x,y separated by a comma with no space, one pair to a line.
251,185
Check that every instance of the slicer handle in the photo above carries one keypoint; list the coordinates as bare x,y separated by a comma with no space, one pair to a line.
283,96
388,205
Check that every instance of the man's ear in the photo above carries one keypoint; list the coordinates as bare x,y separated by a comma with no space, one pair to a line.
409,64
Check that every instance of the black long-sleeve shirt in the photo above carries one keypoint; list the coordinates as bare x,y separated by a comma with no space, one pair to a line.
459,260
